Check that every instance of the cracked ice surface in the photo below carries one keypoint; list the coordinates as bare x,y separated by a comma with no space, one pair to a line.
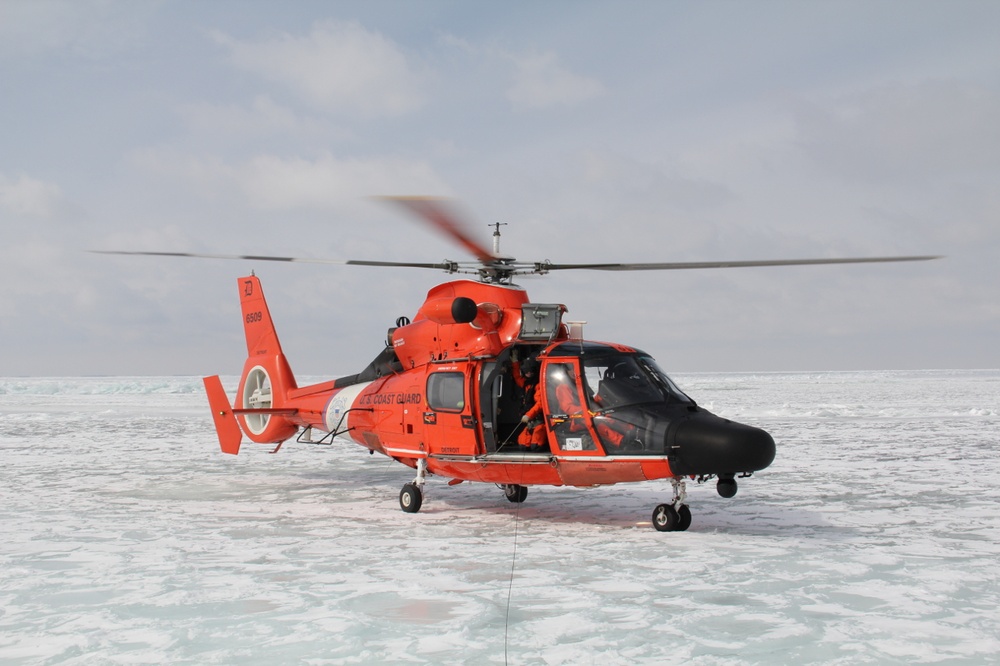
127,537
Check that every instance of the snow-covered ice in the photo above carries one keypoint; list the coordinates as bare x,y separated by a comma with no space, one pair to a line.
127,537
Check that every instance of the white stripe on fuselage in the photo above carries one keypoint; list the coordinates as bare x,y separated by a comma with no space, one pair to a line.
338,408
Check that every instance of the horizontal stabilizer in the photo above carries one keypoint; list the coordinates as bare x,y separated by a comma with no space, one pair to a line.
226,426
276,411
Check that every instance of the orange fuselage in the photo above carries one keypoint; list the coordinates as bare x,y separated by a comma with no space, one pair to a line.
436,404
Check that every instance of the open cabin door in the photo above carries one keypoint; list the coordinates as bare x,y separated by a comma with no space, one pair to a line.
490,391
503,400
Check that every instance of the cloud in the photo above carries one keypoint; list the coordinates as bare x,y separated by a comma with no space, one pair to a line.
29,196
649,182
902,132
339,66
263,116
91,29
536,81
540,82
274,182
282,183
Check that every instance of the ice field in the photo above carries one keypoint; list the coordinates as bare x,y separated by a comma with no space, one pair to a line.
127,537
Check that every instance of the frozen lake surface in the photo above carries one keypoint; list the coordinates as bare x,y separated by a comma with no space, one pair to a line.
127,537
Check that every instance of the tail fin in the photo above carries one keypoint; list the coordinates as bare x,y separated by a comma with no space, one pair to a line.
266,378
262,339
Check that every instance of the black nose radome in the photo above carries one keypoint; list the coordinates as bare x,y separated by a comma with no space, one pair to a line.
707,444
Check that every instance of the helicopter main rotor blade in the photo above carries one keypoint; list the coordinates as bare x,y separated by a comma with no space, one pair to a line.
446,220
670,266
449,266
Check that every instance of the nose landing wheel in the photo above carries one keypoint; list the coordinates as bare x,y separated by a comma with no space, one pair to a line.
676,516
684,518
665,518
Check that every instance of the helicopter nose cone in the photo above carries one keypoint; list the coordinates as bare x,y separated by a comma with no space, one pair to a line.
707,444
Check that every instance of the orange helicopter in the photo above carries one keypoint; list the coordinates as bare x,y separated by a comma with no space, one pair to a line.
485,385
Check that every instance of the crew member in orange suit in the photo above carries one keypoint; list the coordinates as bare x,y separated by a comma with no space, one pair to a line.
609,435
534,436
569,404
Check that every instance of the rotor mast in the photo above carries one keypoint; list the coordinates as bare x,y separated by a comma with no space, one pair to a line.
496,236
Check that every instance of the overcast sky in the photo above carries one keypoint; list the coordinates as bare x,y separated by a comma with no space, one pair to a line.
624,131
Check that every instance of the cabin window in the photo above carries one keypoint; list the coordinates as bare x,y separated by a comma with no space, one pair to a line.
446,391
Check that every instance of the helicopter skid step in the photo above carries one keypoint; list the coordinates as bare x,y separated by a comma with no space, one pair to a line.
506,458
528,458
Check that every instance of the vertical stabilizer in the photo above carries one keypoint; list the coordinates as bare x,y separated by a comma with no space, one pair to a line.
262,339
226,426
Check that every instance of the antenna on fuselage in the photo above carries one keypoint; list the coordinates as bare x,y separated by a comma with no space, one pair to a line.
496,236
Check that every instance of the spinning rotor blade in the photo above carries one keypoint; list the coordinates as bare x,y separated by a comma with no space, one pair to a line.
495,268
669,266
445,219
446,265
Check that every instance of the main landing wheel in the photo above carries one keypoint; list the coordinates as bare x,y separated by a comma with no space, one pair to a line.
410,498
668,519
515,493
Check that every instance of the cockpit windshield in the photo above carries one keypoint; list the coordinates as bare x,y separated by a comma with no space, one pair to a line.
662,377
620,380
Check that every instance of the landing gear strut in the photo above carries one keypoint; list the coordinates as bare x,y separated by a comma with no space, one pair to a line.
412,496
676,516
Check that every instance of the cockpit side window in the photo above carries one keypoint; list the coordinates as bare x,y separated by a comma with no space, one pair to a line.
560,383
567,417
